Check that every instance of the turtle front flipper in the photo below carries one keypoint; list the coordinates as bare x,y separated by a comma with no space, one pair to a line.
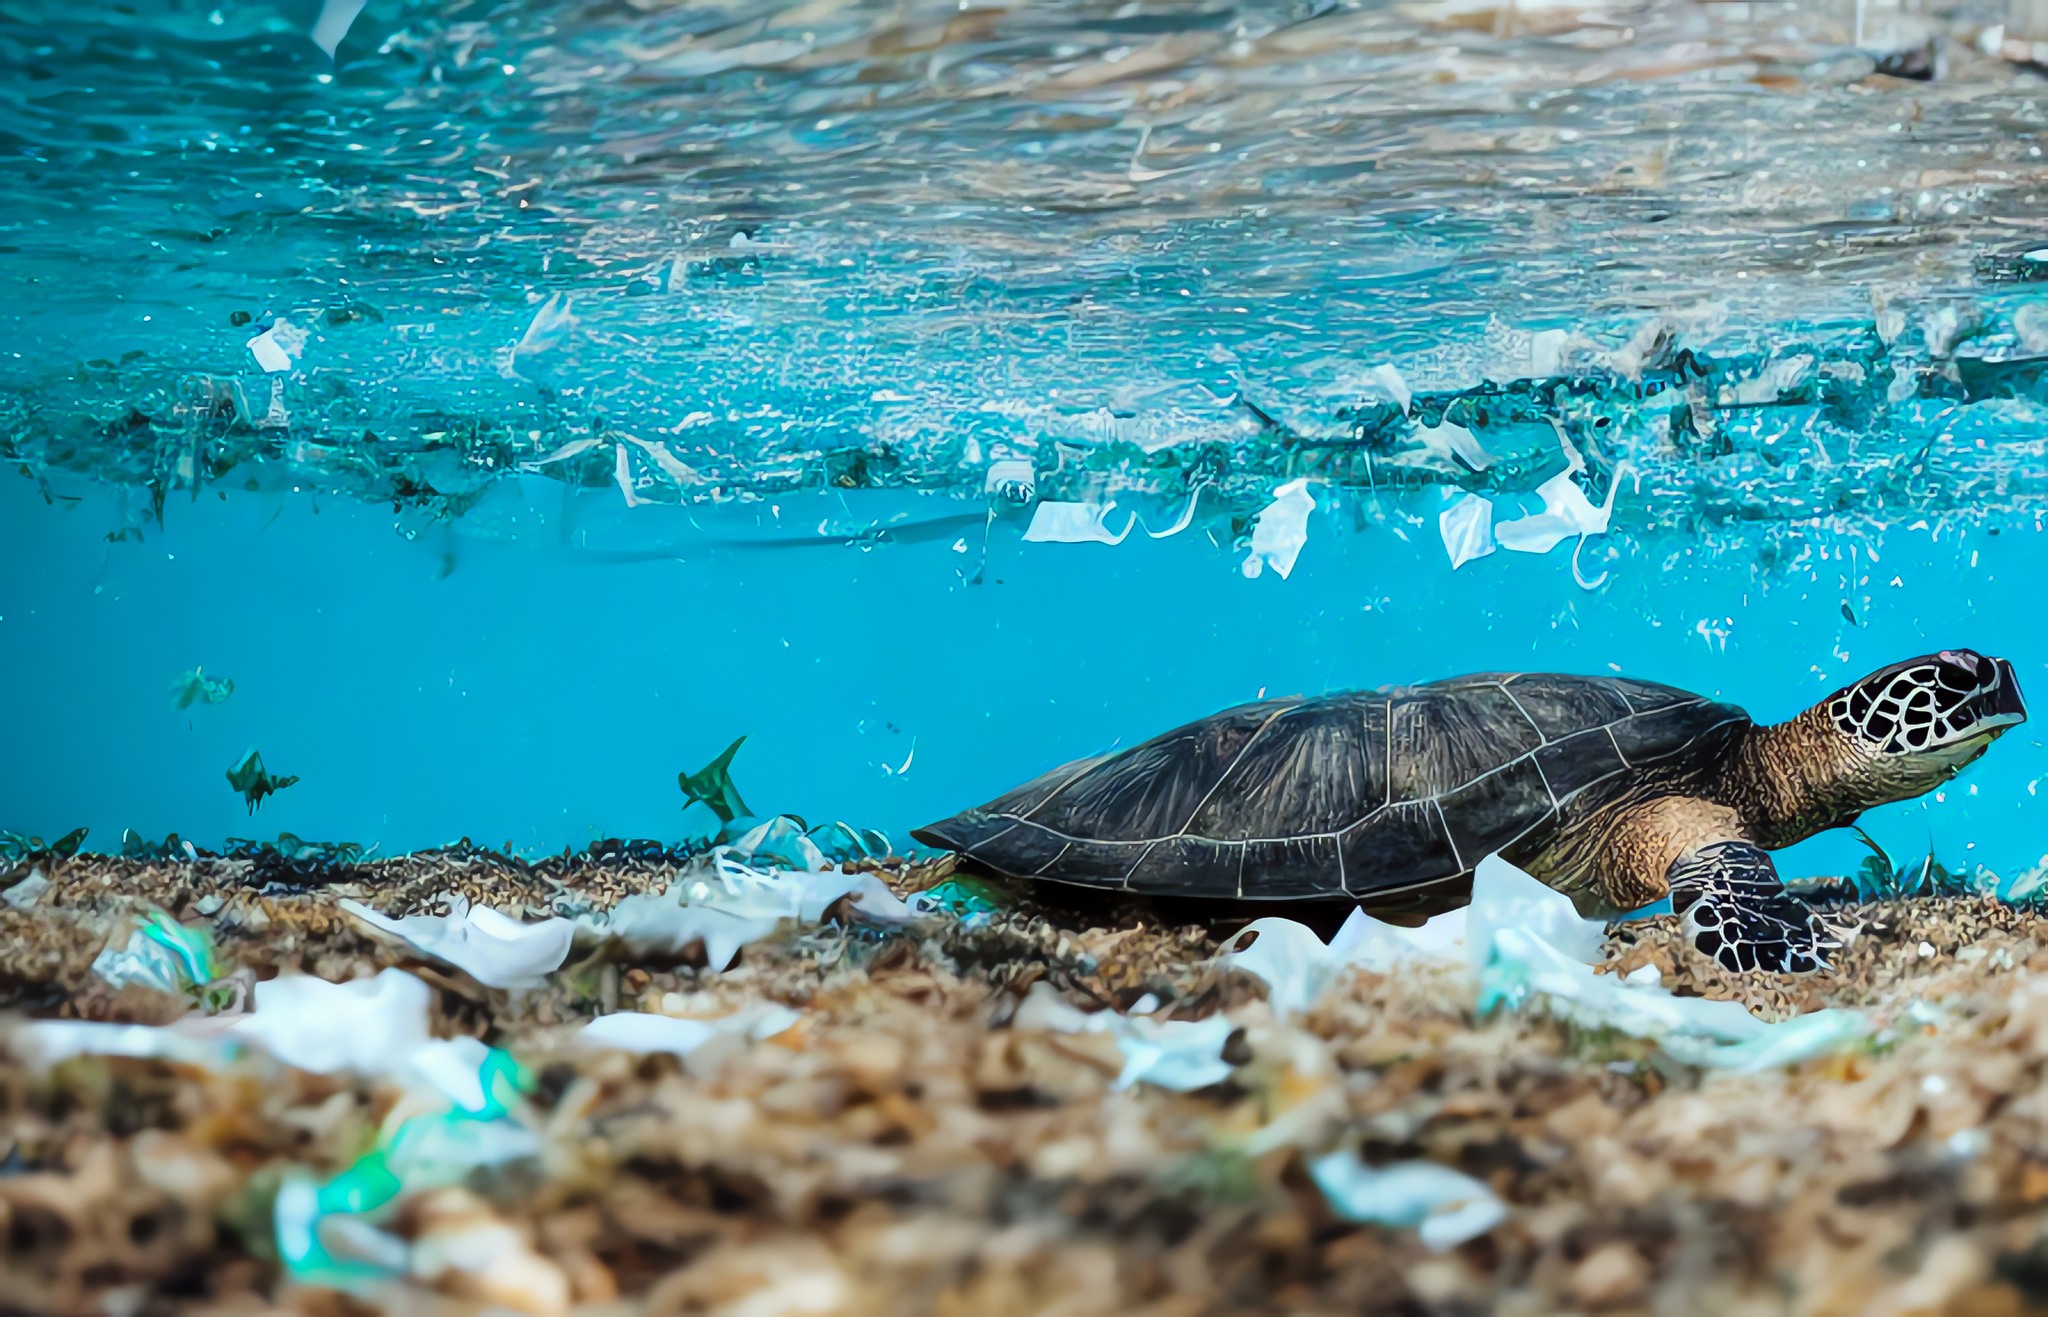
1737,911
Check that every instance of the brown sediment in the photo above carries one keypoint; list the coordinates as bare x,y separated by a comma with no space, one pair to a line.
907,1149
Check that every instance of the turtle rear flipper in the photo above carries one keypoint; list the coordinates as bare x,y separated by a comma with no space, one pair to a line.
1737,911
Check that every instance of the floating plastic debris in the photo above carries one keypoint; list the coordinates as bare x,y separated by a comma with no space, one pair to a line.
552,324
638,1031
1281,531
1444,1207
277,349
574,448
1186,518
622,470
254,781
492,948
195,687
1467,526
1566,512
1011,480
336,18
1075,523
477,1079
1452,443
1182,1055
712,786
671,466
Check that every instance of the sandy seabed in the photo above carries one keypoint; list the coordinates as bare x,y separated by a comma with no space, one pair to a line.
911,1146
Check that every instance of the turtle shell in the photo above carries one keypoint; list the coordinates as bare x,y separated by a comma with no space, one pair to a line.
1360,794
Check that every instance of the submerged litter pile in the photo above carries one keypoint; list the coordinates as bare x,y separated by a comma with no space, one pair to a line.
764,1079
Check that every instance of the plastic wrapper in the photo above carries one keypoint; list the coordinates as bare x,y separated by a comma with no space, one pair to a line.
1281,530
1445,1207
1076,523
492,948
1524,941
1175,1054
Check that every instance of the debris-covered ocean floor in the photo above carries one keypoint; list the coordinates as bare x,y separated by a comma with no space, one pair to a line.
911,1092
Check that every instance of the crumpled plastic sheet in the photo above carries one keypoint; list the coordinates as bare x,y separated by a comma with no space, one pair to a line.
1719,1034
1182,1055
162,954
375,1028
277,348
1297,967
2029,885
200,1041
638,1031
967,899
736,904
493,948
1567,512
1445,1207
1076,523
336,18
367,1026
1522,940
1450,442
840,842
779,842
327,1234
460,1108
551,329
1281,531
1467,526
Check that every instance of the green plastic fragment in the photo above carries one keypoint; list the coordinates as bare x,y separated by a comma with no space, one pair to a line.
963,898
712,786
364,1187
195,687
504,1080
192,948
254,781
14,846
135,846
422,1152
162,954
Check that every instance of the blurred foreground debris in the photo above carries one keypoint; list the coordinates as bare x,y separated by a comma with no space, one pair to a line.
910,1090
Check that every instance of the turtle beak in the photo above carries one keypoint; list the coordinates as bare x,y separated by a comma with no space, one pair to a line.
1996,704
2009,710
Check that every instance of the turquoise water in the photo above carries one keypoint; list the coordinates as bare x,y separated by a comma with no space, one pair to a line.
674,375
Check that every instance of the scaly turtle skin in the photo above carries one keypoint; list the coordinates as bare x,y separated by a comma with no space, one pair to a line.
1617,792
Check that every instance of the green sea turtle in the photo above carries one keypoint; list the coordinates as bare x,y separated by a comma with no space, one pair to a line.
1616,792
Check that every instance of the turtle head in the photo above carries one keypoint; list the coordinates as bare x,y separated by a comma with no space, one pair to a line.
1916,724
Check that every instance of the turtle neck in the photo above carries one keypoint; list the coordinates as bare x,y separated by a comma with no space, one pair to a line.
1792,779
